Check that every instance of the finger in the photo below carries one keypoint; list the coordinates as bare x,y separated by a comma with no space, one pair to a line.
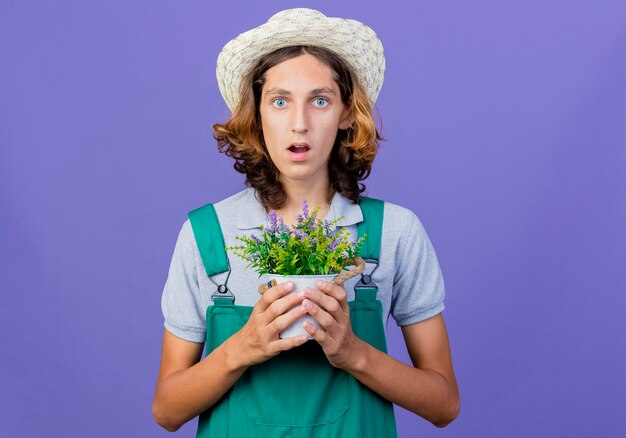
326,302
319,335
273,293
324,318
282,304
281,323
285,344
334,290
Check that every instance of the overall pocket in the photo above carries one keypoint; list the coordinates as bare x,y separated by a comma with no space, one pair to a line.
299,387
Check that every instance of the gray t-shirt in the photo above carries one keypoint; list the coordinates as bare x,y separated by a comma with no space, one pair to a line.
410,283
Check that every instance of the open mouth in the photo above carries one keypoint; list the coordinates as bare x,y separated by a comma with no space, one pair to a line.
298,148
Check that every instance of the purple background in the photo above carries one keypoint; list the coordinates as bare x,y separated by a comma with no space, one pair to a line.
506,134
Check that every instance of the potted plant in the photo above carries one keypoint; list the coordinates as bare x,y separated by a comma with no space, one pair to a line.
311,250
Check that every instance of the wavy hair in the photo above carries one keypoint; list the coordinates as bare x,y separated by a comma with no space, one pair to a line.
354,149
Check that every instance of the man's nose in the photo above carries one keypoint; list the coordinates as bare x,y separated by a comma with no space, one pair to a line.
299,121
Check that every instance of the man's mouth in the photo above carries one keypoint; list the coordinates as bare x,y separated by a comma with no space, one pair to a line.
299,148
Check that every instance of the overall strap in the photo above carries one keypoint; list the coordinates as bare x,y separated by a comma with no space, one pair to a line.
372,225
210,240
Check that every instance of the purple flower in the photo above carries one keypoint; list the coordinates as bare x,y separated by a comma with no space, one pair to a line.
301,234
272,218
305,209
334,244
300,218
256,239
281,227
328,228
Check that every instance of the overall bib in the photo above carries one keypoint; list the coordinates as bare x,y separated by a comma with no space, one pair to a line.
297,393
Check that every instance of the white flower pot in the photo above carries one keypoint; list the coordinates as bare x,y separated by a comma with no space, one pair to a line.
300,282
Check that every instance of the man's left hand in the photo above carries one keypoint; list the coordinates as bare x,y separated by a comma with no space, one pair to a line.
328,304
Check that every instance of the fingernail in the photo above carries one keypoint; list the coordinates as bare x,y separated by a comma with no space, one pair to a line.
301,294
307,304
308,292
288,285
319,284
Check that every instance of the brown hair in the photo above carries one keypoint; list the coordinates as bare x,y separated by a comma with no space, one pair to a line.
353,152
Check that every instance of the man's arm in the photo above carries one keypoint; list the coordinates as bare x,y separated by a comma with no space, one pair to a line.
427,389
187,386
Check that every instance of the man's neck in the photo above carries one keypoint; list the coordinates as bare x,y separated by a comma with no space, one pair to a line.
316,194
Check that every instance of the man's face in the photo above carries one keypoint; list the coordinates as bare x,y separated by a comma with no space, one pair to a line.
301,103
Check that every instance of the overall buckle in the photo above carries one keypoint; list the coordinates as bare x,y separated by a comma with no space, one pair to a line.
222,289
366,280
222,292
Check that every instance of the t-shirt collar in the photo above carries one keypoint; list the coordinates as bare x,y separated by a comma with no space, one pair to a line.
254,214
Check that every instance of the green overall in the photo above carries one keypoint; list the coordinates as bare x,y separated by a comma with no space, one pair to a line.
297,393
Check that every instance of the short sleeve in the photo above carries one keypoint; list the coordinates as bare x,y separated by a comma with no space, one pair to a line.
180,303
418,288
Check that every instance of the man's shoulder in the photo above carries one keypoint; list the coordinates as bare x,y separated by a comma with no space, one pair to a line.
237,210
398,213
228,209
400,222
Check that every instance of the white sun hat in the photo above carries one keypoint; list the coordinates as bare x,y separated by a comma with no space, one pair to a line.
356,43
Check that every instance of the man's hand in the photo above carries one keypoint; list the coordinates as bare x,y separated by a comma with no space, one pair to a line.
328,304
258,340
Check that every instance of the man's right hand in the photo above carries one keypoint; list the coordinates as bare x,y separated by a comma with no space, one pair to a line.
258,340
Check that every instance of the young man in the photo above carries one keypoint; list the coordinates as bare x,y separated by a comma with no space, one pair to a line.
301,88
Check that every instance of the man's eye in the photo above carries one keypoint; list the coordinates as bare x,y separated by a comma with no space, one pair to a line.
320,101
280,102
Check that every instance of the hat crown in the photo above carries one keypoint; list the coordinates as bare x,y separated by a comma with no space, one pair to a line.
312,13
353,41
